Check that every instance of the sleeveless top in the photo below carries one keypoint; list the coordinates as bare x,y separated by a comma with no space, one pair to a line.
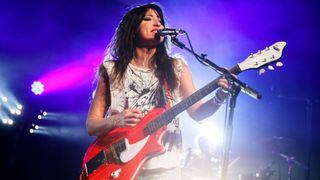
140,89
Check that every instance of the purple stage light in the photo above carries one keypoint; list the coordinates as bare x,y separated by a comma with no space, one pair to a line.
77,73
37,87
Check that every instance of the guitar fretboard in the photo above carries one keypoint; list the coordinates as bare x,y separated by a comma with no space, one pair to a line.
167,116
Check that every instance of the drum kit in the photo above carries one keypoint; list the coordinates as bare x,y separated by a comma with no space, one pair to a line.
203,167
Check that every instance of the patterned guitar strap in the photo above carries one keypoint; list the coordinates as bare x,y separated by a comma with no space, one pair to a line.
171,138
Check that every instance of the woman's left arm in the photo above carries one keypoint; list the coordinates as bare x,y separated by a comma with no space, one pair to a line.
200,110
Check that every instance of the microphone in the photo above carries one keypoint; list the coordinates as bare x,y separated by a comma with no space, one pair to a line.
170,32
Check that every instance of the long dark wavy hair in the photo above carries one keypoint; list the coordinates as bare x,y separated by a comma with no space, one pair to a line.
122,47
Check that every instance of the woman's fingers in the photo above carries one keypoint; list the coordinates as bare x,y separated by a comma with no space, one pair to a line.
130,117
223,83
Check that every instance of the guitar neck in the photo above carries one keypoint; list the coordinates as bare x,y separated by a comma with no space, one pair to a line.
235,70
167,117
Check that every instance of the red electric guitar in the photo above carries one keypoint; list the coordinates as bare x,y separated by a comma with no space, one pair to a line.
121,153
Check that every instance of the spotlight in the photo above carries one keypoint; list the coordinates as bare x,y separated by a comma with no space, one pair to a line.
257,175
44,113
12,111
212,133
4,99
37,87
19,106
10,121
31,131
18,112
36,127
5,121
39,117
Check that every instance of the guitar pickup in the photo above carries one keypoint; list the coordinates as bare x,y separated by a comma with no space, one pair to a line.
96,161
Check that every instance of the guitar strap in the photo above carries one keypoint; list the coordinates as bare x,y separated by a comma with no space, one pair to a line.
172,138
166,95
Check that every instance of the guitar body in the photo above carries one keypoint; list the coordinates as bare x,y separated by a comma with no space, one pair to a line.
139,147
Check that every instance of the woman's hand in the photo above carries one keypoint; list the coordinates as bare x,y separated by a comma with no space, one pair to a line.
223,83
126,118
222,93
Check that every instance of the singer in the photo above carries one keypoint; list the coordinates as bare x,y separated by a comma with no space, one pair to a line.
138,75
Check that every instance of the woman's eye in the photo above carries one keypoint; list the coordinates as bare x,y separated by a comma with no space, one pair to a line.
147,19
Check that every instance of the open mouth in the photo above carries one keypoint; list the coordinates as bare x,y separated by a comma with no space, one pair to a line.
155,30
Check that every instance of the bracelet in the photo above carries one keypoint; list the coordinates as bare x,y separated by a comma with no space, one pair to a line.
216,101
220,97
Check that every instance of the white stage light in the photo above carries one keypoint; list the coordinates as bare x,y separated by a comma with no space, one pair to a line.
37,87
12,111
44,113
19,106
212,133
10,121
31,131
18,112
4,121
4,99
36,127
39,117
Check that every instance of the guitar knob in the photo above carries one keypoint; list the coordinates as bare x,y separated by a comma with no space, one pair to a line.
261,71
279,64
270,68
115,175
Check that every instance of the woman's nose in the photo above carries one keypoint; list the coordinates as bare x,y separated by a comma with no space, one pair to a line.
157,23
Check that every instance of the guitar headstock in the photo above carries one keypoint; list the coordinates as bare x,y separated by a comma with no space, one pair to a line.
264,58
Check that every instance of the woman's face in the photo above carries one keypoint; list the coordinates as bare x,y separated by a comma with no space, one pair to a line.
148,28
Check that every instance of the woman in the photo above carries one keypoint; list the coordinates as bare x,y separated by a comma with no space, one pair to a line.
131,84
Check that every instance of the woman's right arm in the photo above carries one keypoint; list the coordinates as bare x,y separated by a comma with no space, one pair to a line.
97,124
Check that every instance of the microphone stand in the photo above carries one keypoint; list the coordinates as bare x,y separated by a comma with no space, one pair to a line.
236,86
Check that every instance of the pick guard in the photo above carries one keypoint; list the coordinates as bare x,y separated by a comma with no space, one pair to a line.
132,150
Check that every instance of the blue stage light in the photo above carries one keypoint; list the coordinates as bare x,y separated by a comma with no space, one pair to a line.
37,87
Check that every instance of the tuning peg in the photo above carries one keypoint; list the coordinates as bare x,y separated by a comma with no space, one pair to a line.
279,64
261,71
276,48
270,68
